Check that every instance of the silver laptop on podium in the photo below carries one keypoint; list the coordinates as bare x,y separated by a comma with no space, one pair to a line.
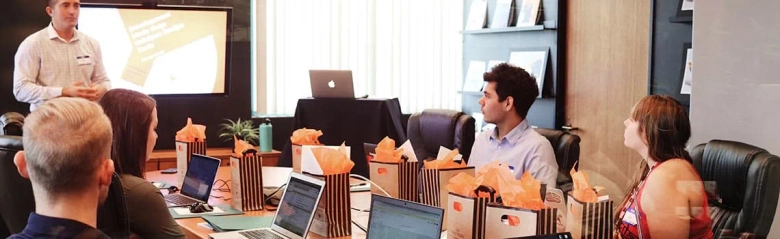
331,84
294,215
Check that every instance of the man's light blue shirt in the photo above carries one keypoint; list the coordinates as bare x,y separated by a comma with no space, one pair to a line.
523,149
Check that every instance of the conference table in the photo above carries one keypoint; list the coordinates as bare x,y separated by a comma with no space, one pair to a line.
271,176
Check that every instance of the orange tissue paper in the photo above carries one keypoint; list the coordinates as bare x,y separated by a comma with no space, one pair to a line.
239,146
191,132
386,152
490,174
462,184
448,162
524,193
306,136
333,161
581,189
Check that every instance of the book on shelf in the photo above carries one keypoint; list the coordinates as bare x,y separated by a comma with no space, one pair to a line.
529,13
477,15
474,80
504,14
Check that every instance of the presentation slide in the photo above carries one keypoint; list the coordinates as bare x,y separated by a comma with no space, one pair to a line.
160,51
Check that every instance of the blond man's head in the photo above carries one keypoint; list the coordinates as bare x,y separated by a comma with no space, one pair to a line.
67,143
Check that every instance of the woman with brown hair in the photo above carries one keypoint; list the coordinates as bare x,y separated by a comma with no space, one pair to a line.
133,118
668,200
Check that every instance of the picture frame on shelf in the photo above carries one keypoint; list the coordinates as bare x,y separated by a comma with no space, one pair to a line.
534,61
686,77
529,12
685,8
478,15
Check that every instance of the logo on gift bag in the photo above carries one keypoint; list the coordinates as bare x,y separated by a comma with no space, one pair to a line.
381,171
552,197
457,206
179,148
298,151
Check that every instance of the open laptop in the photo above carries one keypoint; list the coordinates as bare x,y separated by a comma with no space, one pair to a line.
331,84
391,217
198,181
293,216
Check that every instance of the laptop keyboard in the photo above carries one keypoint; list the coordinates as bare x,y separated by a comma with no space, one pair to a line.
178,199
260,234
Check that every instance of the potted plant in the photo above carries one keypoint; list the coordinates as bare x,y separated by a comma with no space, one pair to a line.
242,129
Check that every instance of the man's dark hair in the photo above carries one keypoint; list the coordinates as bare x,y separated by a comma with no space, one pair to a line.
515,82
51,3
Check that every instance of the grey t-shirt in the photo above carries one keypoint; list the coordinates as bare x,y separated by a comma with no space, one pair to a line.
147,211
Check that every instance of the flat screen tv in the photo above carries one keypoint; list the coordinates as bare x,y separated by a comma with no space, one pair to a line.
162,50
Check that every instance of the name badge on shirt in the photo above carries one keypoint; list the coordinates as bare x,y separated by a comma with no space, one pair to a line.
84,60
630,217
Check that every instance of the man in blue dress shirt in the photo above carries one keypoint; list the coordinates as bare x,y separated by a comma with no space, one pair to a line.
508,95
67,144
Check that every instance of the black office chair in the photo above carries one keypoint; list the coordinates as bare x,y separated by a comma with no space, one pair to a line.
437,127
748,185
567,153
16,196
11,124
112,214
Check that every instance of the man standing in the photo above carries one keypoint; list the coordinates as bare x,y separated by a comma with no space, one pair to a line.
507,97
59,60
67,145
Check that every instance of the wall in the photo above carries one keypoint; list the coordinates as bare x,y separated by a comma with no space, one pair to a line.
546,112
20,18
736,89
28,17
668,41
607,49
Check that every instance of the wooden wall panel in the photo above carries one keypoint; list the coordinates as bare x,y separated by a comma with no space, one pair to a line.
607,71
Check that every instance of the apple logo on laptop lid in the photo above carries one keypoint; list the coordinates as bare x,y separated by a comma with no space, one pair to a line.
331,84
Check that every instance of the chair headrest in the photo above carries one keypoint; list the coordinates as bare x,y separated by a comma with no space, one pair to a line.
438,127
726,163
11,123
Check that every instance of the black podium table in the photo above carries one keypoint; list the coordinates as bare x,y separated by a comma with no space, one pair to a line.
353,121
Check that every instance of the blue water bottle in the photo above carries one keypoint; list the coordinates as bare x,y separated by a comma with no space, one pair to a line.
266,141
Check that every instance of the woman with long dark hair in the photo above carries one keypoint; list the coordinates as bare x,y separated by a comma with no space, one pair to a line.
668,200
133,118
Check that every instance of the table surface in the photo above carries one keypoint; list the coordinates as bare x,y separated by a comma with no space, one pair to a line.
273,175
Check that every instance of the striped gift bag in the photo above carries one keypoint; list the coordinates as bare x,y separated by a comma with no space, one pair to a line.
508,222
589,220
467,214
433,186
398,179
247,181
184,151
333,217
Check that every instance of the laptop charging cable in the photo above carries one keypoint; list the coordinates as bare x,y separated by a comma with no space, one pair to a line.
373,184
269,199
224,187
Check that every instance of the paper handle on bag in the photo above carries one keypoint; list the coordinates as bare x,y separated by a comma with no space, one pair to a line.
486,189
249,151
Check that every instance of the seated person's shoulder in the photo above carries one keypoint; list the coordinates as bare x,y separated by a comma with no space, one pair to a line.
538,140
674,171
133,185
484,135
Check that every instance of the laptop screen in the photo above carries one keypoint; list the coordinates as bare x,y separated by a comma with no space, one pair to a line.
199,179
297,206
394,218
